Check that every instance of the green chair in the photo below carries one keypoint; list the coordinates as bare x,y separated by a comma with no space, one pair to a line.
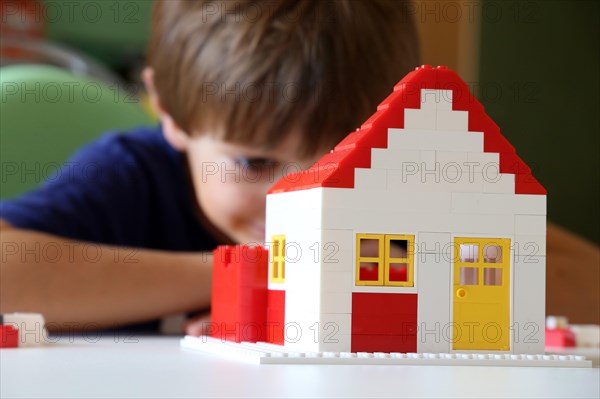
46,113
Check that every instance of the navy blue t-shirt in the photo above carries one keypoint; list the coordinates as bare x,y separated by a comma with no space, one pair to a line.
125,189
128,189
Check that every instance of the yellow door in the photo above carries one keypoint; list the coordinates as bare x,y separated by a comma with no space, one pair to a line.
481,294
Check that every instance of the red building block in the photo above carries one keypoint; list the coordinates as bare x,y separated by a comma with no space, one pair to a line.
276,317
384,322
9,337
560,337
527,184
239,295
384,343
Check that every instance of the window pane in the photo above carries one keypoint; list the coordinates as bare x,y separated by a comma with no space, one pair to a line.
398,248
398,272
275,269
369,248
369,271
492,276
469,253
282,248
492,254
468,276
282,269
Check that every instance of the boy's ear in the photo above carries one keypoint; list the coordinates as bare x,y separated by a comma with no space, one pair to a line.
173,133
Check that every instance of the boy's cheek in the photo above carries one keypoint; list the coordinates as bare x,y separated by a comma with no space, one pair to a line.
233,197
208,172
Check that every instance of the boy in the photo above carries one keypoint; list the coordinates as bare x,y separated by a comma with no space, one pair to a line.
246,92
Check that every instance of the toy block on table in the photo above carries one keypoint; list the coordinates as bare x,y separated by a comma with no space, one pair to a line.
418,213
22,330
9,337
239,294
558,333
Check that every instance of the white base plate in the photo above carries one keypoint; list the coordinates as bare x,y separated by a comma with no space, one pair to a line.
265,353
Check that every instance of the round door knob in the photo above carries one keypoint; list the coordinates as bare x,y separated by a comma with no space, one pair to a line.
461,293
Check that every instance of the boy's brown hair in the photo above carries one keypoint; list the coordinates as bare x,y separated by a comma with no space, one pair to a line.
255,71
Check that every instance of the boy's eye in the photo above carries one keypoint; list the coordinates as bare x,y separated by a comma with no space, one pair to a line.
256,163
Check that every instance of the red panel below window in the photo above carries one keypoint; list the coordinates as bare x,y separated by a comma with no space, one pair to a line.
275,316
384,322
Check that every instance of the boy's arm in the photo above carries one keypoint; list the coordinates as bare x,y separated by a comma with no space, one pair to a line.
101,286
78,285
572,277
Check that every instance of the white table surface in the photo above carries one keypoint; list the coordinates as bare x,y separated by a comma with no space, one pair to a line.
157,367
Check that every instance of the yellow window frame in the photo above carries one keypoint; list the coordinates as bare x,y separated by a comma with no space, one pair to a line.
277,261
368,259
408,260
384,260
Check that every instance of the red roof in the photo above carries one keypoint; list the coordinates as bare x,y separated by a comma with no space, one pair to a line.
336,169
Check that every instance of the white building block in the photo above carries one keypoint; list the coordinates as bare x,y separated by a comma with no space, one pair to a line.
483,225
300,263
445,102
458,158
429,99
434,243
297,245
449,178
336,302
376,199
334,281
428,159
452,120
433,306
370,179
277,216
436,99
503,183
390,221
317,332
346,219
384,158
335,252
506,204
456,181
300,330
529,298
303,277
485,158
333,340
301,199
301,209
414,139
530,245
530,225
307,300
432,99
419,119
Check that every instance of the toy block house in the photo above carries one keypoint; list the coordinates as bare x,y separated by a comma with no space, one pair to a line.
422,231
